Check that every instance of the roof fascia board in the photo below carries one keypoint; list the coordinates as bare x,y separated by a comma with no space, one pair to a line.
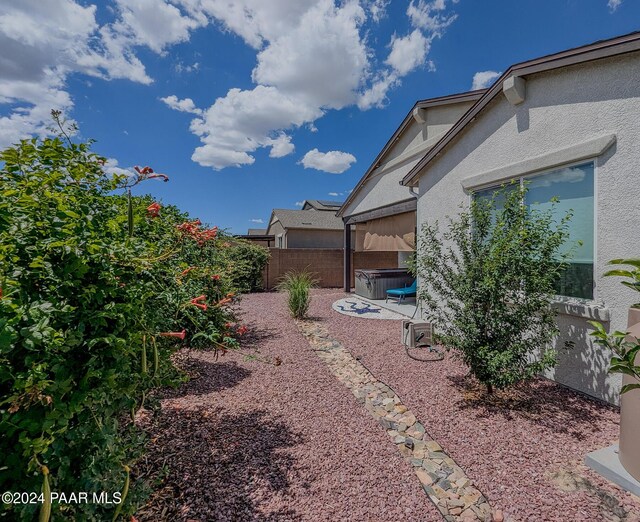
400,207
599,50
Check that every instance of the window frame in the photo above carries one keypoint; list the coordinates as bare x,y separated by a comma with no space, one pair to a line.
523,177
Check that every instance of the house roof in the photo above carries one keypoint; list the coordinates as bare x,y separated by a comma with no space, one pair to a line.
307,219
324,204
420,104
256,231
594,51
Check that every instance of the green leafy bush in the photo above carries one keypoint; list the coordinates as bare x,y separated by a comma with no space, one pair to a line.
298,286
487,283
97,289
245,263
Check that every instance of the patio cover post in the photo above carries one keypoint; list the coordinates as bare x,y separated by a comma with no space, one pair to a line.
347,257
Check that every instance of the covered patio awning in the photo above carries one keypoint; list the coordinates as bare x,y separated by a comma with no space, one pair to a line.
389,228
391,233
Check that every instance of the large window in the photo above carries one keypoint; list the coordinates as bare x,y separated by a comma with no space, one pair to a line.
574,187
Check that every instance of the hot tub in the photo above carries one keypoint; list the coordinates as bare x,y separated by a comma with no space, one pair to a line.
374,283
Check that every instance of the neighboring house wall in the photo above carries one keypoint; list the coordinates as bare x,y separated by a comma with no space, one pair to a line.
383,187
314,238
563,108
277,230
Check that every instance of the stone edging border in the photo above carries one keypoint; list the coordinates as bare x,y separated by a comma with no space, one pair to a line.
446,484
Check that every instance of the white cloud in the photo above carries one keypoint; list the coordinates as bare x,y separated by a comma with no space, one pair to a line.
429,15
258,221
299,203
378,9
311,56
334,161
325,44
185,105
336,194
483,79
111,167
614,4
377,93
243,121
281,146
154,24
408,52
182,68
255,21
44,42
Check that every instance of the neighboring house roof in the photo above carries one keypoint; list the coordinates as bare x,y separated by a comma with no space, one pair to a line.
256,232
306,219
595,51
420,104
317,204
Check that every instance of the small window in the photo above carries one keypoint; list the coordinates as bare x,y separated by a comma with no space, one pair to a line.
574,188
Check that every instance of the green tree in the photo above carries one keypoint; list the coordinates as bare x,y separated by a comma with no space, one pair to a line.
487,282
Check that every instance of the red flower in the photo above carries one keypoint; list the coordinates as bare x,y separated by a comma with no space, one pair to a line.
242,330
163,177
196,301
224,301
229,325
144,171
180,335
153,210
215,277
147,173
186,271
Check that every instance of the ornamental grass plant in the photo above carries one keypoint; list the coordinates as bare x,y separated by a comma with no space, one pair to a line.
298,285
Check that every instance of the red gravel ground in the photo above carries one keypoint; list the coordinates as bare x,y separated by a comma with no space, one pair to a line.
252,441
524,449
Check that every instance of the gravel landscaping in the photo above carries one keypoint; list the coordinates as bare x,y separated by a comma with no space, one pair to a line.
524,449
252,441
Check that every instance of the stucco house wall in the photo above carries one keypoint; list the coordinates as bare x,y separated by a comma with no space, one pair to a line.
563,108
383,186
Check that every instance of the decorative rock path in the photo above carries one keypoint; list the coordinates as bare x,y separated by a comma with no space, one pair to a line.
443,481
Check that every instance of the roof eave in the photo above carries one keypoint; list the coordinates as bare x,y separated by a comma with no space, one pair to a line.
591,52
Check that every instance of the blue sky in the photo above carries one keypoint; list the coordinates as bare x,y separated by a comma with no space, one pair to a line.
258,104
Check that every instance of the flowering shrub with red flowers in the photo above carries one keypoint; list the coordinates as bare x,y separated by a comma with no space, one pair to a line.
98,287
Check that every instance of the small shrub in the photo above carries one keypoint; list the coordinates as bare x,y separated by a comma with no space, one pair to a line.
487,283
298,284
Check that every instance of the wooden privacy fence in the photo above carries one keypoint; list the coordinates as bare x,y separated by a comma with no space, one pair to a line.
326,265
